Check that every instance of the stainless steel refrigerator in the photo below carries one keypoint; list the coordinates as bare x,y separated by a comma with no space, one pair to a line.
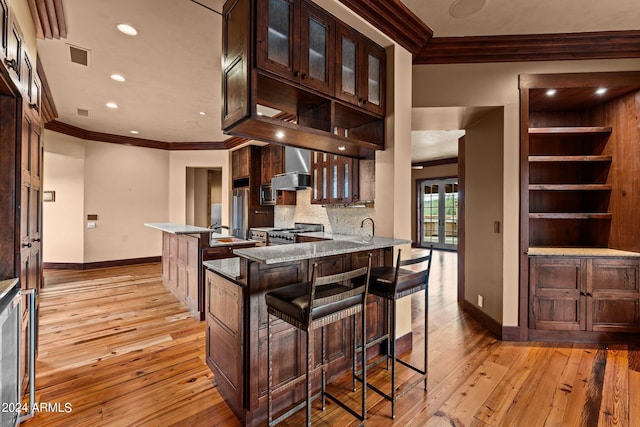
240,213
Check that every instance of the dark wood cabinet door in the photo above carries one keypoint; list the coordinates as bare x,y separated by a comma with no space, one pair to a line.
372,78
240,162
235,62
348,64
557,298
4,28
612,286
320,176
317,41
276,38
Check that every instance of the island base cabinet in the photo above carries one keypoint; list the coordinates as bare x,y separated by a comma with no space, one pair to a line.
584,294
237,346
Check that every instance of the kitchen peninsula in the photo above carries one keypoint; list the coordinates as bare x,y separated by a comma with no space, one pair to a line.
237,317
184,247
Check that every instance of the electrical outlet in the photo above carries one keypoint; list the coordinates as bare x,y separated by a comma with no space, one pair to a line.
480,301
91,225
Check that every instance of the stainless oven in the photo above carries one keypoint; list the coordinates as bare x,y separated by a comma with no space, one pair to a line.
267,195
259,235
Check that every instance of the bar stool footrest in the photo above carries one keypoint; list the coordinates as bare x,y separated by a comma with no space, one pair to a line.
295,409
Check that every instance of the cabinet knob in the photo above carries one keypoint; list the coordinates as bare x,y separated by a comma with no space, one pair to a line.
303,76
34,106
36,240
11,63
27,245
296,73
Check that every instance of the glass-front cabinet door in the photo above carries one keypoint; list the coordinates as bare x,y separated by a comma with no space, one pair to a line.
348,55
374,79
275,38
317,39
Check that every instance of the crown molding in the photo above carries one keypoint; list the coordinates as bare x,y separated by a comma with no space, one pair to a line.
47,106
438,162
77,132
395,20
531,47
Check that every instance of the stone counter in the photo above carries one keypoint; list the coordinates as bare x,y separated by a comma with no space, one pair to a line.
303,251
582,252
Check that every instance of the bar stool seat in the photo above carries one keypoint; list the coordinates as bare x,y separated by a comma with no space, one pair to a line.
391,284
309,306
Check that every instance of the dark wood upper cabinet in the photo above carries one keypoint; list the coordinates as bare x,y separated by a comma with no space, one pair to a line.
281,54
360,70
295,41
334,179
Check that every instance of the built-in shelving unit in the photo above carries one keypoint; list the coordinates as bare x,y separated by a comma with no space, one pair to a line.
580,189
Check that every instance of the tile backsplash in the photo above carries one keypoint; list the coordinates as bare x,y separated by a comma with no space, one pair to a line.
339,220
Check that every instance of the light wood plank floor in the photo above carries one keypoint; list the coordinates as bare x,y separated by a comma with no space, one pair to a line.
122,351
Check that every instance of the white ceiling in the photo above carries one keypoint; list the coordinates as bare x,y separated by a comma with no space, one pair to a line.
173,66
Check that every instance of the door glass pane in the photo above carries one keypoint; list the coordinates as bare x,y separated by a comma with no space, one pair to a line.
317,50
374,80
430,213
451,213
334,182
279,31
324,183
315,183
348,66
346,181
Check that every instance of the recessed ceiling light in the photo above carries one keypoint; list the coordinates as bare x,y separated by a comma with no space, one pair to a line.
342,148
203,113
601,91
551,92
127,29
118,77
279,134
135,132
112,105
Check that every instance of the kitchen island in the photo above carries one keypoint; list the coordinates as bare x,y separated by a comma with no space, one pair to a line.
184,247
237,318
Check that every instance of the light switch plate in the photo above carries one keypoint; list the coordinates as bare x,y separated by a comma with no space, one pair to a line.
91,225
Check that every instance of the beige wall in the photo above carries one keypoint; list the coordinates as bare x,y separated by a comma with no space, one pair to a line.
486,85
178,163
63,219
433,172
125,186
483,206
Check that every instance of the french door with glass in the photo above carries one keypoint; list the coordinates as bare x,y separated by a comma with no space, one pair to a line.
438,213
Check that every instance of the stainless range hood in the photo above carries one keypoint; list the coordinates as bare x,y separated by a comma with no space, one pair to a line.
297,166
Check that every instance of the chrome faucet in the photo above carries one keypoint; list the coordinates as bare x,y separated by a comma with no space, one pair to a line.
373,226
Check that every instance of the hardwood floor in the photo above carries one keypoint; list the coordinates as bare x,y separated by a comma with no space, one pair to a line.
122,351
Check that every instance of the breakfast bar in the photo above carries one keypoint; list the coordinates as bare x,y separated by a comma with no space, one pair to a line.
237,318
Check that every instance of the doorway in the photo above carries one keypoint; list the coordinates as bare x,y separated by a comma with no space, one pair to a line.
438,213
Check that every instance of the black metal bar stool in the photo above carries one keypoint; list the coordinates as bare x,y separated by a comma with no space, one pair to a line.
312,305
393,283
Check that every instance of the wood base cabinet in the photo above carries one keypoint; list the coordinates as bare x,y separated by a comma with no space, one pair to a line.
237,318
584,294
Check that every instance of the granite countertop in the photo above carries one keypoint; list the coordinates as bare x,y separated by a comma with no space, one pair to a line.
334,236
300,251
171,227
589,252
227,267
6,286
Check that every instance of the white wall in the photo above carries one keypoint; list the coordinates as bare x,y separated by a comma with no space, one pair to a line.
483,85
